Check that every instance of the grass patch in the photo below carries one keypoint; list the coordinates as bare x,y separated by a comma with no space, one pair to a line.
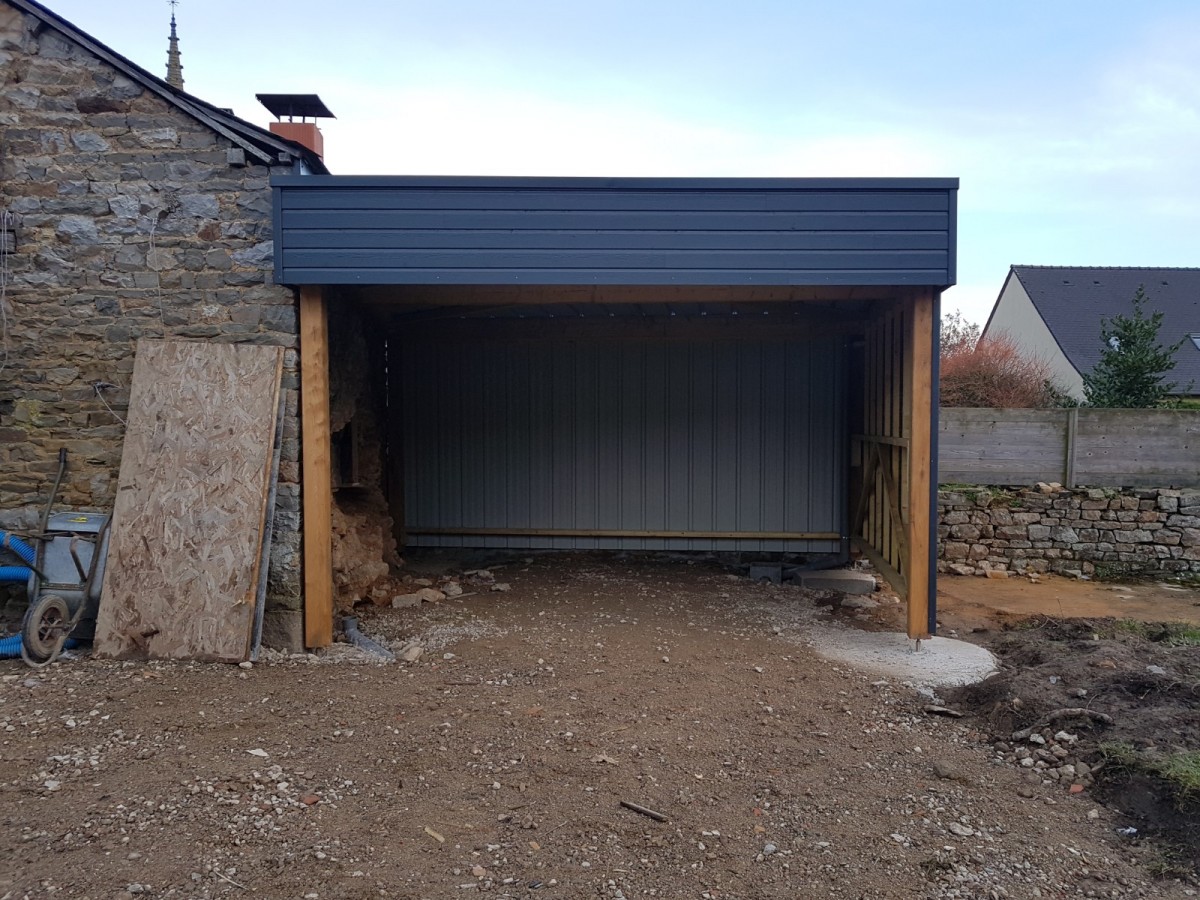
1173,634
1169,863
1125,572
1119,755
1181,771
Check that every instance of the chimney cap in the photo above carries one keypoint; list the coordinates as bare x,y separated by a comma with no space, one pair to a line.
291,105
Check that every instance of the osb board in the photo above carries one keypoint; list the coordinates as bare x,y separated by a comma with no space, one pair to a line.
187,529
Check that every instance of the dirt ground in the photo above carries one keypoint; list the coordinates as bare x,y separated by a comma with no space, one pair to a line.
497,763
1120,678
965,603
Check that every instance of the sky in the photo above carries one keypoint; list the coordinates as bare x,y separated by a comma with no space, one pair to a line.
1074,126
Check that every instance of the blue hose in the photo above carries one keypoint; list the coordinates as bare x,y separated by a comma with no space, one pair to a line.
14,574
10,647
17,546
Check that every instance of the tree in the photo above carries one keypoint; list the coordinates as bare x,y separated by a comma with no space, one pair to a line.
1133,363
991,372
958,335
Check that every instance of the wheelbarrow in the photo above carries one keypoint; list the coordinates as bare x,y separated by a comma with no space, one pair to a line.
64,580
64,585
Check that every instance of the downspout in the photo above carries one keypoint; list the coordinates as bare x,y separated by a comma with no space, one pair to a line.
360,640
936,363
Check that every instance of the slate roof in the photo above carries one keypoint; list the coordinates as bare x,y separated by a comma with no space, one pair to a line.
1072,300
259,143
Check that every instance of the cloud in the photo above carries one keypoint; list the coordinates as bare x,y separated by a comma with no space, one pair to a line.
448,129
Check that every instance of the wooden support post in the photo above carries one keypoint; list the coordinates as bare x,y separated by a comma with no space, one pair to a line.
919,353
1072,430
316,469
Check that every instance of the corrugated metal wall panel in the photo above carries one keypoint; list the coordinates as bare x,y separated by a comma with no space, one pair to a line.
349,230
708,436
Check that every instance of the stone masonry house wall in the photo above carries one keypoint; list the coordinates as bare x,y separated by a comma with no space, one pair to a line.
127,218
1068,531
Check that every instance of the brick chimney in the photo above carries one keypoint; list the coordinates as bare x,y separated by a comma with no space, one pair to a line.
306,133
302,106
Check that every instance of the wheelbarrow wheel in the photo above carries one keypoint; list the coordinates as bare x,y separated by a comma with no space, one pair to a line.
45,629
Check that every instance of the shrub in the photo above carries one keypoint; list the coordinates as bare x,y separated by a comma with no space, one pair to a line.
993,371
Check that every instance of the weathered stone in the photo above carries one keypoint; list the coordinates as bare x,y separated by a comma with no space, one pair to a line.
283,629
158,137
203,206
964,532
78,230
955,550
1064,535
258,255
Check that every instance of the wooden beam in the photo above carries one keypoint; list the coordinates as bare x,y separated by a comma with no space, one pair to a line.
316,469
880,439
758,328
895,514
917,574
870,464
520,294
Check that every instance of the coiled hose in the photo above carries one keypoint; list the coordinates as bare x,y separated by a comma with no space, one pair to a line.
10,647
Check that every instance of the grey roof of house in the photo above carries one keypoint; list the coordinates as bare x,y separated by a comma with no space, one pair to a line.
259,143
1072,300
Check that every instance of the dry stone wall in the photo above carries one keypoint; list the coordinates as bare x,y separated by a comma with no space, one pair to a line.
982,530
126,219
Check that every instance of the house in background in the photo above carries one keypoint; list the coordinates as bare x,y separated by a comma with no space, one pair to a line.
1055,312
128,209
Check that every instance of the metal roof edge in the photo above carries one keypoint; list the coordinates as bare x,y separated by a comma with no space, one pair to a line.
619,183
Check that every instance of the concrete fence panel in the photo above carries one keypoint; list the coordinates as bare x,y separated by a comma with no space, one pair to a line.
1093,447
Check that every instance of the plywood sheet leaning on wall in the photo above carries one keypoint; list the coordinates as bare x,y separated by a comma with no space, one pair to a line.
187,530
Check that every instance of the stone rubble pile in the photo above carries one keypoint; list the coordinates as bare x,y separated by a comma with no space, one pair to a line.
1050,757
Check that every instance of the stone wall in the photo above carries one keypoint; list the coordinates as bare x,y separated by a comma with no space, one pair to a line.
364,546
984,530
128,219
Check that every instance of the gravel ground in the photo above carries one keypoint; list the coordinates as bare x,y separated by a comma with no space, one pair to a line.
497,761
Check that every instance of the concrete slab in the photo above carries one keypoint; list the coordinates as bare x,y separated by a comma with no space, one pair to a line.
767,572
848,581
941,662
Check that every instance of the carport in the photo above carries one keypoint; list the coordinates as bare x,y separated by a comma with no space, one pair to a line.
670,364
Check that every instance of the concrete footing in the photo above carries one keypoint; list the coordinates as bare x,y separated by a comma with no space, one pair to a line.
848,581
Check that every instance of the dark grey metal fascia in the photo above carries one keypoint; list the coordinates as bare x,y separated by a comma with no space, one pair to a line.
402,230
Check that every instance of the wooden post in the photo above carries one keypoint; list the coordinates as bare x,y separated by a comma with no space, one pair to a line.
919,353
316,469
1072,428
